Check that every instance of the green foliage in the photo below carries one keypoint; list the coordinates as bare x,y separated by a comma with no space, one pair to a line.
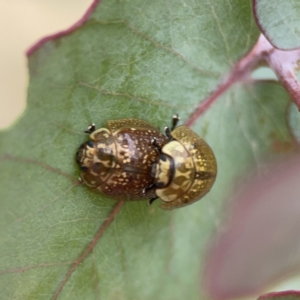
279,21
138,59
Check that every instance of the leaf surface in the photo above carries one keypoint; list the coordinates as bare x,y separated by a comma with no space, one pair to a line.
131,59
279,22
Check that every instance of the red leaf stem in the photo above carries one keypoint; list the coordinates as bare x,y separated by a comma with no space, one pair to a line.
285,64
88,249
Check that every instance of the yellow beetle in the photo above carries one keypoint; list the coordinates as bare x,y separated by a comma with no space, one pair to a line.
186,168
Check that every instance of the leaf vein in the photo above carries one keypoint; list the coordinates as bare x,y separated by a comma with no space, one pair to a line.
158,45
88,249
126,95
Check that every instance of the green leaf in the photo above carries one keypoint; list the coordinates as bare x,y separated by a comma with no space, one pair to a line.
294,121
279,22
134,59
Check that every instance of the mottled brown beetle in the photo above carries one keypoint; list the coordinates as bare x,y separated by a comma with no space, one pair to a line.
132,160
117,160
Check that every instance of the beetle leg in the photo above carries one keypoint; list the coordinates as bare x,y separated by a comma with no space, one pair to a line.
149,188
152,200
168,133
155,145
91,128
175,121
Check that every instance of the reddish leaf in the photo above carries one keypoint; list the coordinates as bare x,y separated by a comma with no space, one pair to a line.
261,242
285,295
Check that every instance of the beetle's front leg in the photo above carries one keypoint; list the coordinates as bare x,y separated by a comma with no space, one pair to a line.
91,128
156,145
152,200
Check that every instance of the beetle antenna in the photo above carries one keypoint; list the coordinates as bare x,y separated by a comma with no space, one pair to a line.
175,121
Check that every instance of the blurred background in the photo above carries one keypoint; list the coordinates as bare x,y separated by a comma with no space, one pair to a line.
22,23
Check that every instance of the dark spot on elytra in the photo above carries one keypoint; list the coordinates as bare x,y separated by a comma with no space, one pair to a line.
178,180
105,156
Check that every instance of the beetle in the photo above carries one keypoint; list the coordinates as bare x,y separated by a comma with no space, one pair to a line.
117,160
186,168
133,160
